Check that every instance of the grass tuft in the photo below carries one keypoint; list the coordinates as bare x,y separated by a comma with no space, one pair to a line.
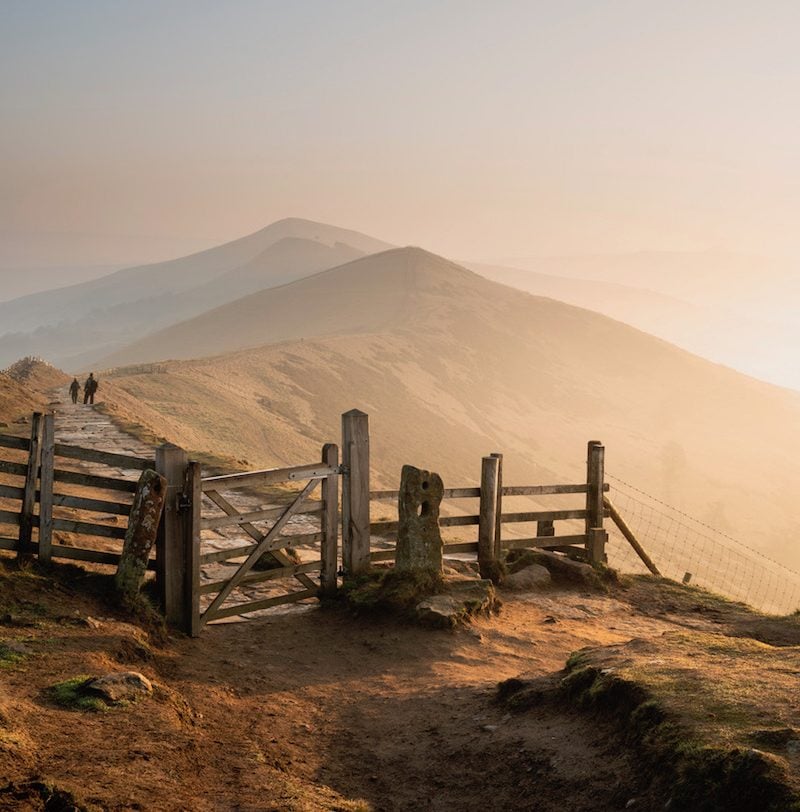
71,694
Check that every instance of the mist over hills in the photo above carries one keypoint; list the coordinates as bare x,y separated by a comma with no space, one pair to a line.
737,322
391,290
451,366
73,326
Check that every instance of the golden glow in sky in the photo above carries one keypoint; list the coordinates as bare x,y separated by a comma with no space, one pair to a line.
478,130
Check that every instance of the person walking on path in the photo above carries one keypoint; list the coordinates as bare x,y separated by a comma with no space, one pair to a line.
74,387
89,388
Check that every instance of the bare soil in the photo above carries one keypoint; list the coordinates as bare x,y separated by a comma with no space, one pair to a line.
317,709
309,709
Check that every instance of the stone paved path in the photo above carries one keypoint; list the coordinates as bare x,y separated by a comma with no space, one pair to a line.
81,425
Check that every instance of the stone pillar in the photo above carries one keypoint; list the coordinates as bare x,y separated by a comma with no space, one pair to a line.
419,542
141,534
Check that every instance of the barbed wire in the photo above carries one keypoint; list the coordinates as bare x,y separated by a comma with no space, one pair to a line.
685,548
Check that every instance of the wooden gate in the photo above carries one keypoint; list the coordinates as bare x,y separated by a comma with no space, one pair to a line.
267,555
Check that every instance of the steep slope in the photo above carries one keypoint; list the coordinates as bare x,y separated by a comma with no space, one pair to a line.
73,325
451,366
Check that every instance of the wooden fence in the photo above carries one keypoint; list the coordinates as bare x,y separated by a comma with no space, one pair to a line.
491,546
58,513
52,511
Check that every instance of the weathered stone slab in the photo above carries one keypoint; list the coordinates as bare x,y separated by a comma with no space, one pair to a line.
534,576
419,541
141,534
462,601
125,686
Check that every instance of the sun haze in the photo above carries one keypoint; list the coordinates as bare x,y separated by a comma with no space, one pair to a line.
481,131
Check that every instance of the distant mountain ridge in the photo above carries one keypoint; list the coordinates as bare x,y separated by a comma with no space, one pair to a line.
378,292
74,325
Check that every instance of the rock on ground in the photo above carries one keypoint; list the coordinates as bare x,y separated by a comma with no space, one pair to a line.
126,685
534,576
464,600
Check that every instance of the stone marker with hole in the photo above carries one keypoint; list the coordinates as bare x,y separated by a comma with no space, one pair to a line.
141,534
419,542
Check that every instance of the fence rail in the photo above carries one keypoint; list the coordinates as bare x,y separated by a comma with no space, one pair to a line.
493,516
44,511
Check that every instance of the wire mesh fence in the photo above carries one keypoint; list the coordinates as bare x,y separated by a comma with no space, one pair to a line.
687,549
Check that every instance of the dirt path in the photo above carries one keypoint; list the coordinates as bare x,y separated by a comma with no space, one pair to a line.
404,717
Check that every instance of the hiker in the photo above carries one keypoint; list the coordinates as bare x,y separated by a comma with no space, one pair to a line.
73,390
89,388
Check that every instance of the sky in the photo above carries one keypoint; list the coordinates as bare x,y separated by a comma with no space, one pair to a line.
479,130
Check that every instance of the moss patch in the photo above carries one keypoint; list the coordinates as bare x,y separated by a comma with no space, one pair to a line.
389,591
72,695
10,655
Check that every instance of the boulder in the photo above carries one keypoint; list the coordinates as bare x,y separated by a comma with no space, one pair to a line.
529,578
563,570
123,686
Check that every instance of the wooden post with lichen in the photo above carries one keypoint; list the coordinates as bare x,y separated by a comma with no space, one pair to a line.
172,463
140,536
46,480
498,522
192,508
329,549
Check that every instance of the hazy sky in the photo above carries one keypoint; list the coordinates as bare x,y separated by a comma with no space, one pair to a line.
476,129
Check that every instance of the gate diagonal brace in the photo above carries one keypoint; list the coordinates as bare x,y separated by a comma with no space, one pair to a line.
257,536
260,548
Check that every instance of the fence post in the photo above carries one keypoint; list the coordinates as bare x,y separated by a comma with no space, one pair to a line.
171,569
191,525
498,523
488,562
355,492
330,522
46,478
25,546
596,536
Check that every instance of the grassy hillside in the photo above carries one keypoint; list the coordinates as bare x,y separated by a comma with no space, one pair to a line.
26,386
450,367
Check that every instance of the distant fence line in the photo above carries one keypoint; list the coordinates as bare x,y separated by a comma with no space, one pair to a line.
134,369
